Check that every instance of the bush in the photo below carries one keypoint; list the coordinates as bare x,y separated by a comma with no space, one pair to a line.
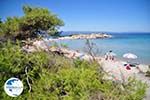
148,72
58,78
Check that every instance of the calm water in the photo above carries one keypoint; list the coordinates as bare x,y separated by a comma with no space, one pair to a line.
120,43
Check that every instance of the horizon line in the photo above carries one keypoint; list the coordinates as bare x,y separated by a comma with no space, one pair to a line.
105,31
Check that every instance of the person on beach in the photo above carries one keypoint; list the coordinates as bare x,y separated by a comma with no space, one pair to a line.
106,56
110,55
128,67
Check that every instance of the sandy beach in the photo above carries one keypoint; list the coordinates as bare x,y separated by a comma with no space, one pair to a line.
115,69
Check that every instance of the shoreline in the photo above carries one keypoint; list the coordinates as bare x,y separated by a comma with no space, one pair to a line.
83,36
116,43
115,70
115,67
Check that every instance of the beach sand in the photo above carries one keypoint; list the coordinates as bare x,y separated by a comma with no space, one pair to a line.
119,71
115,69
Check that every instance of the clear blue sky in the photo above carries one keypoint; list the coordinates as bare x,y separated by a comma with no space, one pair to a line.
90,15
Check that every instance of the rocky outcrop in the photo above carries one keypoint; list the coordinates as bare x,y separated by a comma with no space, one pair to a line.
86,36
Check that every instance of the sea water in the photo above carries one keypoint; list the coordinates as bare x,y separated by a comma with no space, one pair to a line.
120,43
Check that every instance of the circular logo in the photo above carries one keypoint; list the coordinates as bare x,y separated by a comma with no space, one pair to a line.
13,87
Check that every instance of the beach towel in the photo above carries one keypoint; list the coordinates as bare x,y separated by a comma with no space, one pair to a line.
128,67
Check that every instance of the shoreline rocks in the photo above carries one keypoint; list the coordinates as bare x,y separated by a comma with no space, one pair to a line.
86,36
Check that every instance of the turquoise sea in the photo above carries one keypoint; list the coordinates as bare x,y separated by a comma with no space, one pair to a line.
120,43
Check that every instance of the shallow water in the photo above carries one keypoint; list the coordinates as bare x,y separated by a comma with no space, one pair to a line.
121,43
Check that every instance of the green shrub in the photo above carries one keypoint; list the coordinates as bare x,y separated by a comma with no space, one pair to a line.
53,77
148,72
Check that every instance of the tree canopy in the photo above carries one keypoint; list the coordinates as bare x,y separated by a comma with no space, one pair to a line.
34,21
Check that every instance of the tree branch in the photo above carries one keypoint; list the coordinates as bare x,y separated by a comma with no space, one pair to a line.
27,78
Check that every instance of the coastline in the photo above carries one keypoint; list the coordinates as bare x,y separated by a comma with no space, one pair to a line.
115,67
119,43
115,70
83,36
108,65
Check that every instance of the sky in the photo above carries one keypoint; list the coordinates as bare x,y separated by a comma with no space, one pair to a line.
90,15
